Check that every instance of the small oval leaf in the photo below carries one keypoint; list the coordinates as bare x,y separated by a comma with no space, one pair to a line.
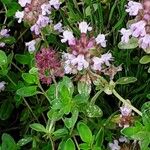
126,80
69,145
145,59
38,127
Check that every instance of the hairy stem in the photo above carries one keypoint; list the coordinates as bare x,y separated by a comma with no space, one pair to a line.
125,102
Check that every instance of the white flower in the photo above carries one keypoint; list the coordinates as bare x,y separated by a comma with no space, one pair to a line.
4,33
36,29
125,35
2,86
101,40
80,62
84,27
2,44
133,8
24,2
123,139
68,67
31,45
55,3
125,110
114,145
43,21
67,36
138,28
97,66
106,58
58,27
144,43
19,15
46,9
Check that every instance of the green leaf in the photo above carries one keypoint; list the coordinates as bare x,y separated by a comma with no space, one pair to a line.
6,1
55,114
33,71
6,110
145,59
8,40
126,80
29,78
60,133
24,141
8,142
38,127
146,113
84,146
133,43
100,137
69,145
3,58
27,91
92,110
23,59
130,131
84,132
70,122
84,88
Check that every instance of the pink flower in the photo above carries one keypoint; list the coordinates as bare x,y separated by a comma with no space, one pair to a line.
84,27
125,35
2,86
46,9
31,45
43,21
101,40
19,15
133,8
24,2
138,28
80,62
48,65
68,36
55,3
106,58
97,66
125,110
114,145
4,33
36,29
144,42
58,27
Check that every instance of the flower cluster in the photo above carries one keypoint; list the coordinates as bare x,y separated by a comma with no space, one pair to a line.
85,53
36,13
3,33
126,116
140,29
48,65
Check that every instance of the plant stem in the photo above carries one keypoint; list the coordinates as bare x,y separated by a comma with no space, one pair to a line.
23,99
30,109
93,100
45,94
76,142
125,102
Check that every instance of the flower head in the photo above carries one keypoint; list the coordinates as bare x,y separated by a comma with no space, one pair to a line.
48,65
4,33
